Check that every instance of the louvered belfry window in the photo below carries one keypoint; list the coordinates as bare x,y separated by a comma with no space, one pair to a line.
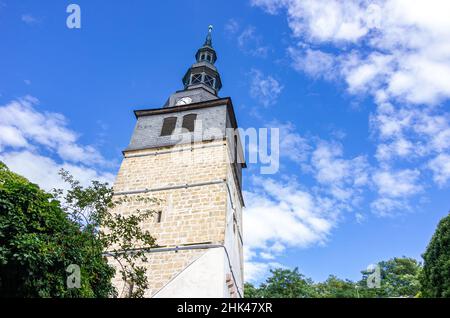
168,126
209,80
189,122
196,78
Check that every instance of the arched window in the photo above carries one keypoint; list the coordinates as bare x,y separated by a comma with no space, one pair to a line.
189,122
168,126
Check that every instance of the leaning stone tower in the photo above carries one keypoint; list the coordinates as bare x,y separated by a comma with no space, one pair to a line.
188,155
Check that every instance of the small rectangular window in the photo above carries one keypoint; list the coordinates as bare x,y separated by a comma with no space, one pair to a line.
159,217
189,122
168,127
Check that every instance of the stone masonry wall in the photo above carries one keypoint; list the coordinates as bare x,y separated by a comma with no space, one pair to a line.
191,214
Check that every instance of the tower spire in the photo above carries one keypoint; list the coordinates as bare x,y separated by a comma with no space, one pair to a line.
208,41
203,73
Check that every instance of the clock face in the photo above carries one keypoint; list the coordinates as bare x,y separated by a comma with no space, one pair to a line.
184,101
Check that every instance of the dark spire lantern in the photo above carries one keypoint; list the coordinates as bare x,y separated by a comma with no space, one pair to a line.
203,73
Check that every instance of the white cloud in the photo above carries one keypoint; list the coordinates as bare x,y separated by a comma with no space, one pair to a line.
396,184
44,170
313,62
398,46
394,188
254,271
252,43
38,144
267,256
341,179
232,26
29,19
342,183
32,128
270,6
284,214
11,136
399,147
396,51
441,168
360,218
384,206
330,168
415,134
247,38
280,215
292,144
265,89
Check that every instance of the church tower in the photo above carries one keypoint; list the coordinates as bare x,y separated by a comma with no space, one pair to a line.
188,155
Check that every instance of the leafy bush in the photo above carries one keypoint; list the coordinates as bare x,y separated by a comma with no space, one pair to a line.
40,238
39,241
435,277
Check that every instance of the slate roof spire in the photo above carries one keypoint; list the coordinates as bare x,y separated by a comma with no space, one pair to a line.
208,41
203,73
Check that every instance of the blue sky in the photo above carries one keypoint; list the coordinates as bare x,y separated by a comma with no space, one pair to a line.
359,91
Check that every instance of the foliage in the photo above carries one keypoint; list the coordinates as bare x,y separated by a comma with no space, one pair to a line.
335,287
119,234
399,278
39,241
435,278
40,237
283,283
250,291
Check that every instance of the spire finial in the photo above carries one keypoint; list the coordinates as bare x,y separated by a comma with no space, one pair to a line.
208,41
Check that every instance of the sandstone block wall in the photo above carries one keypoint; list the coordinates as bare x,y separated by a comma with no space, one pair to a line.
190,186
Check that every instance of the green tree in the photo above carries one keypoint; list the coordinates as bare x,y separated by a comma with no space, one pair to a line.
286,283
435,276
250,291
335,287
122,236
399,277
40,237
38,243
